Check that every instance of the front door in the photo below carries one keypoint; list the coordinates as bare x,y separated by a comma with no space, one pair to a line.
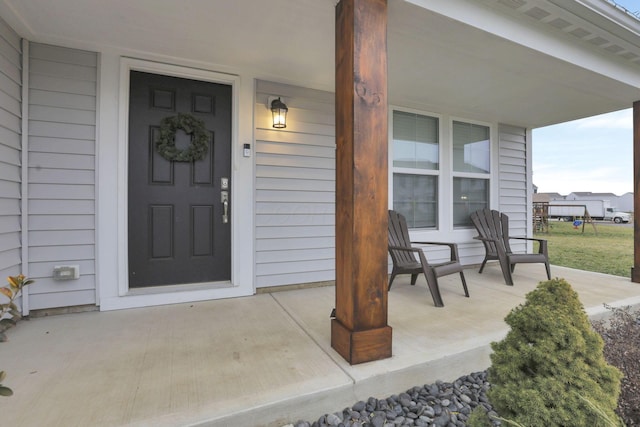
179,223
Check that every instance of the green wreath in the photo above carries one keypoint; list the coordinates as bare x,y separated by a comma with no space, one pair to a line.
166,144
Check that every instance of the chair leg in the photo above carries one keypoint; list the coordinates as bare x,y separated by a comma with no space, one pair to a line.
393,276
464,285
506,272
432,282
505,266
482,266
546,264
414,278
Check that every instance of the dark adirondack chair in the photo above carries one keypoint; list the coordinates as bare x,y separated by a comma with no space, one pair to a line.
404,260
493,230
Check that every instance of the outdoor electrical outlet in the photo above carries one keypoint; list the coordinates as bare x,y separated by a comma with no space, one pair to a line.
66,272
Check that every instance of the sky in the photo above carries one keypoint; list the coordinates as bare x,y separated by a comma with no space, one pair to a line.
593,154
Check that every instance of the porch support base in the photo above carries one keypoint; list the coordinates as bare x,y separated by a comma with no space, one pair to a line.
361,346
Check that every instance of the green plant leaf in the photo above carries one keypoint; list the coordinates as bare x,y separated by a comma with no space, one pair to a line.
3,375
5,391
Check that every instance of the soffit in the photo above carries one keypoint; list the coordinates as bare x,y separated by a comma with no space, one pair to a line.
597,22
437,62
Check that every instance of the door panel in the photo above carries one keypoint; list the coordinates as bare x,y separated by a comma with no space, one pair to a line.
176,230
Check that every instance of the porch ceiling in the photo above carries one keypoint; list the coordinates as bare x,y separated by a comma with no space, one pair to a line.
436,63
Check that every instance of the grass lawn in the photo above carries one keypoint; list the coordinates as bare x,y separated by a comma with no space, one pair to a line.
610,250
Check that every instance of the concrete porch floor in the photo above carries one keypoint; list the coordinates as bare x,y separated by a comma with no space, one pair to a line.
259,360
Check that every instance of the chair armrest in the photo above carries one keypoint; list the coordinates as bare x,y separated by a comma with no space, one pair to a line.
452,246
485,239
542,249
404,248
498,244
528,238
435,243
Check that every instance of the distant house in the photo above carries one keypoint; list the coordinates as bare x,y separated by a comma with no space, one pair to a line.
588,195
540,198
545,197
625,202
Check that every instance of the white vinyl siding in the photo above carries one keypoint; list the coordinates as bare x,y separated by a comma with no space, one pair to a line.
513,179
295,187
62,146
10,151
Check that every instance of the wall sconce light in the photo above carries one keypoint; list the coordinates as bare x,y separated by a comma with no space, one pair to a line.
279,113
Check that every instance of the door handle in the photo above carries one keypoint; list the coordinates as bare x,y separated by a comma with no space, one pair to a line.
224,198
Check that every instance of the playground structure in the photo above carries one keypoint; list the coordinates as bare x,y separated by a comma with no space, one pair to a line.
579,215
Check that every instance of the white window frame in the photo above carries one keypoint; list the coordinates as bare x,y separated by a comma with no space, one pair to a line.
488,176
411,171
446,174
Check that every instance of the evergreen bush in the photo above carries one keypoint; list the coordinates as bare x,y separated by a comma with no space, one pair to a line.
550,370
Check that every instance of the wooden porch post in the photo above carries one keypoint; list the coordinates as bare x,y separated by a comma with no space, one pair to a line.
635,270
359,332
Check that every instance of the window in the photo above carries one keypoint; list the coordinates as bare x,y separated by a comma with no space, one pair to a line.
420,174
469,195
416,160
471,170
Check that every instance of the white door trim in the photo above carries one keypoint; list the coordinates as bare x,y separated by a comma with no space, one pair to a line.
124,297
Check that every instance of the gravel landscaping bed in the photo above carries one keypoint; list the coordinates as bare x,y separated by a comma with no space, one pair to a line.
441,404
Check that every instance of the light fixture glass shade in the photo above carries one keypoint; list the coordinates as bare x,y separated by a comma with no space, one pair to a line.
279,113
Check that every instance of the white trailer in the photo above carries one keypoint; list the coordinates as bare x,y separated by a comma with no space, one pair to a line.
569,210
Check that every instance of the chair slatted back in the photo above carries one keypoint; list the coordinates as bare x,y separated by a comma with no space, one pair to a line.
493,225
399,236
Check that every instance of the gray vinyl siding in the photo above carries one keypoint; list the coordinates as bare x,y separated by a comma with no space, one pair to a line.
295,187
513,178
10,151
62,147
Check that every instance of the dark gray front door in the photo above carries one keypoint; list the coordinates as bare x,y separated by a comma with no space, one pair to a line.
177,233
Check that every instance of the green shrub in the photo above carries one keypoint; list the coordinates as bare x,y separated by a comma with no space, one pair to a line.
479,418
550,369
